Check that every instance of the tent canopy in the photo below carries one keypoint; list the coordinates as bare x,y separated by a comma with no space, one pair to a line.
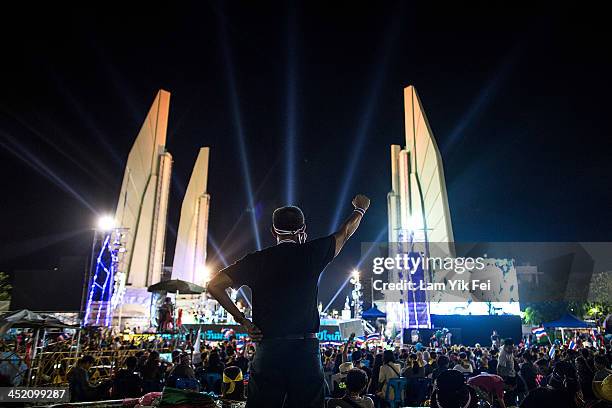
177,285
28,319
373,313
567,321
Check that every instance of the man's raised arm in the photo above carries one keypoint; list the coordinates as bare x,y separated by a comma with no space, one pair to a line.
361,204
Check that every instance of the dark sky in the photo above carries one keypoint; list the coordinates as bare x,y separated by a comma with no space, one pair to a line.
519,101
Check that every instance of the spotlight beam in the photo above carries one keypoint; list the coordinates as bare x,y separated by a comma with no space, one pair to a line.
363,258
256,194
57,148
36,164
291,129
364,125
239,129
17,249
225,264
481,101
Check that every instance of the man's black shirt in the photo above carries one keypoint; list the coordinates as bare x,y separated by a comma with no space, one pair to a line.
283,280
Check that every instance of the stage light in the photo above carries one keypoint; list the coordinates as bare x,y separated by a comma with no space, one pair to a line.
106,223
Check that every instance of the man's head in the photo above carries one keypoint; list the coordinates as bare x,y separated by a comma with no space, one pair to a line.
508,345
86,362
131,363
356,380
288,223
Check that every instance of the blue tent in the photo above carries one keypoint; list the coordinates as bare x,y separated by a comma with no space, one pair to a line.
568,321
372,313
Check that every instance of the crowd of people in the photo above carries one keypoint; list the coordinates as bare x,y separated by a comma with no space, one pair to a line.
361,374
462,376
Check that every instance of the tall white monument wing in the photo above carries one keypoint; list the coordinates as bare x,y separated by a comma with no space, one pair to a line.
428,184
190,252
143,201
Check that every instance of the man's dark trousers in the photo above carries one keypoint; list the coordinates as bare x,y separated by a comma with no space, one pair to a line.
289,371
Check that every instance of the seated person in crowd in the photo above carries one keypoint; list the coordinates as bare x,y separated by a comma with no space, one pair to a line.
80,387
127,382
356,383
152,373
339,380
464,365
233,384
451,391
490,384
546,397
442,363
181,370
602,367
414,367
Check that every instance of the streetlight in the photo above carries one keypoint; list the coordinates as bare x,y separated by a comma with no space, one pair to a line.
106,223
203,273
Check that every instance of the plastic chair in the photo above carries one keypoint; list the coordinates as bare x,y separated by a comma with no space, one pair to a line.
188,384
398,385
417,391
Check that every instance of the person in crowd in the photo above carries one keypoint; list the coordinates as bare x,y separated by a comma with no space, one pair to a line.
506,370
214,363
585,375
338,381
451,391
414,366
233,384
442,363
564,380
464,365
357,360
390,369
78,380
378,362
494,339
602,367
284,282
183,369
493,355
491,385
356,383
546,397
528,371
152,373
128,382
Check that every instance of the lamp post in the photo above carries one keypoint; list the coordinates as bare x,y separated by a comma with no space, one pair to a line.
356,294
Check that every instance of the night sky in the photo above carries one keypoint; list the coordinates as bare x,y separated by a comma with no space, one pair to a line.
518,100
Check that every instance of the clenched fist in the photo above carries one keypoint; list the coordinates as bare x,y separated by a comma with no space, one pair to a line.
361,201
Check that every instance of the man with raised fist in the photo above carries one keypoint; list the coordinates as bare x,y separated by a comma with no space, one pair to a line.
283,280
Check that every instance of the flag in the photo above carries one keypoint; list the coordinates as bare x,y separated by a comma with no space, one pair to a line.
373,336
572,345
539,332
552,352
197,356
